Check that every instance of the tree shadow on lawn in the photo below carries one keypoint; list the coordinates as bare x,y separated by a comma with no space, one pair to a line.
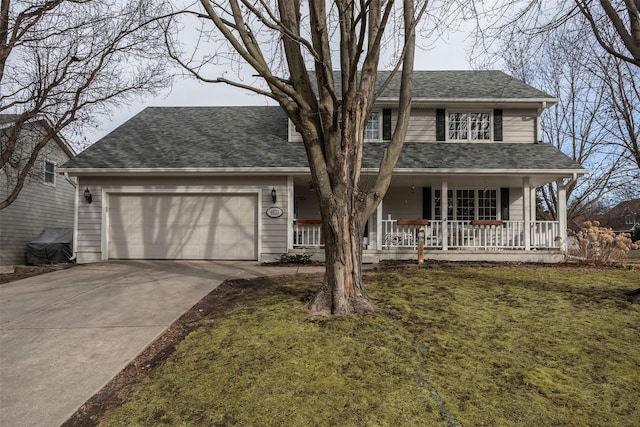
230,295
235,294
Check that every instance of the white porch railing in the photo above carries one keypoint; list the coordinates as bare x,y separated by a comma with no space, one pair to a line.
460,235
307,236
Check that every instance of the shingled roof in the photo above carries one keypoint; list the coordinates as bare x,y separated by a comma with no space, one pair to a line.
459,85
223,138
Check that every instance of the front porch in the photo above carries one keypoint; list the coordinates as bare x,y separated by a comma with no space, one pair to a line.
475,240
489,217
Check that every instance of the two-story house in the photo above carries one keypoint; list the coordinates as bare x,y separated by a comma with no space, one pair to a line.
234,182
46,199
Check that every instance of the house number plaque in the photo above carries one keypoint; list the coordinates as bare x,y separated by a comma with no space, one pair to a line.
274,212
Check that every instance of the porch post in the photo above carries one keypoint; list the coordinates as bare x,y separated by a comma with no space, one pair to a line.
379,226
562,213
526,196
290,211
444,209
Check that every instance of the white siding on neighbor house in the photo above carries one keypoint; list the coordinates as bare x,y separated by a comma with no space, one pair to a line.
91,236
39,205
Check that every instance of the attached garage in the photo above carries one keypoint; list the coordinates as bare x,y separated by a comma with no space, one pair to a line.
183,226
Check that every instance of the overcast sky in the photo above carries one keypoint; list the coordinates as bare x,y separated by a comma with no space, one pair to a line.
449,54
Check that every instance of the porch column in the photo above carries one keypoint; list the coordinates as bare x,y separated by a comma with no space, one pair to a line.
526,196
562,213
290,211
444,208
379,226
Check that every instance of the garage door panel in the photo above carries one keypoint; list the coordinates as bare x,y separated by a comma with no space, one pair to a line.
183,226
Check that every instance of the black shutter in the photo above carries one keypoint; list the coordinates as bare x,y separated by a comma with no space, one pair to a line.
504,204
386,124
440,129
426,202
497,125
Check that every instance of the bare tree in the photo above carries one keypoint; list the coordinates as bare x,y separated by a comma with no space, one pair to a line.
292,46
580,125
600,40
614,24
68,62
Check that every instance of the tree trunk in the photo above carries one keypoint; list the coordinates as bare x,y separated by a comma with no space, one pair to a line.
342,290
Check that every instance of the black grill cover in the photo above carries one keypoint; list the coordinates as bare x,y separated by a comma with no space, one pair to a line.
52,246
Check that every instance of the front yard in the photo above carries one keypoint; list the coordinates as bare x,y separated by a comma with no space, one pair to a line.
450,345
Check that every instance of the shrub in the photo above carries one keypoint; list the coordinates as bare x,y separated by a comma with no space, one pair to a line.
295,258
600,245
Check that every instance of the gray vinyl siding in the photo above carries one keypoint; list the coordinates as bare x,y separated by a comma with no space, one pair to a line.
402,203
90,232
516,204
39,205
519,125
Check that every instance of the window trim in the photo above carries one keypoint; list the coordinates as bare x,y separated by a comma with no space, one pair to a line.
47,173
379,130
468,113
452,199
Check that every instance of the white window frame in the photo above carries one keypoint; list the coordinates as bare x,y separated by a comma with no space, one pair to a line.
468,127
47,173
452,198
371,129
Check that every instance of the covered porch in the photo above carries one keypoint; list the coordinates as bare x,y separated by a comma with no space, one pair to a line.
488,218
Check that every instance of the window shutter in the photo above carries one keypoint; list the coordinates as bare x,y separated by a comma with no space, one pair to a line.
426,202
440,129
497,125
504,204
386,124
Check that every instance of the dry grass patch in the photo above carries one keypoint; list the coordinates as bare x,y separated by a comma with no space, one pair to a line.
479,346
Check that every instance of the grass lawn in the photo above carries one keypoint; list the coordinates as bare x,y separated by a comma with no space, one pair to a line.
471,346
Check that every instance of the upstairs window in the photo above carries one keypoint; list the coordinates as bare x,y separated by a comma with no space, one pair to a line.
629,220
372,130
473,126
49,173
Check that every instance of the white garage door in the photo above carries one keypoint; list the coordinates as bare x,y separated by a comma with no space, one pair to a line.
167,226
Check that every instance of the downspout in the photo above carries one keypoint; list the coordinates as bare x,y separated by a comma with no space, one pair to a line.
538,135
75,216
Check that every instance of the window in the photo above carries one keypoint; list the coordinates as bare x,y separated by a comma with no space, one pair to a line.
372,129
629,220
467,204
49,173
469,126
487,204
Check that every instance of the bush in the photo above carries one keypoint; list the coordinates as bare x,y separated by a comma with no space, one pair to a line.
295,259
600,245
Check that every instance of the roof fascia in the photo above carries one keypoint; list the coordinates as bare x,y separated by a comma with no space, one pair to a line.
305,170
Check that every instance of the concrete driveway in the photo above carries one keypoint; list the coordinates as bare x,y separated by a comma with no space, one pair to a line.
65,334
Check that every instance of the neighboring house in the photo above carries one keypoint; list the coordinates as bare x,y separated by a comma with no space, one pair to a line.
623,218
47,198
234,182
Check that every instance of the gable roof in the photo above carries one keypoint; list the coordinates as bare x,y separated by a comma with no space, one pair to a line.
462,85
254,139
7,120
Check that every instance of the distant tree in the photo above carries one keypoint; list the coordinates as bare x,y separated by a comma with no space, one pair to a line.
295,47
579,125
69,62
